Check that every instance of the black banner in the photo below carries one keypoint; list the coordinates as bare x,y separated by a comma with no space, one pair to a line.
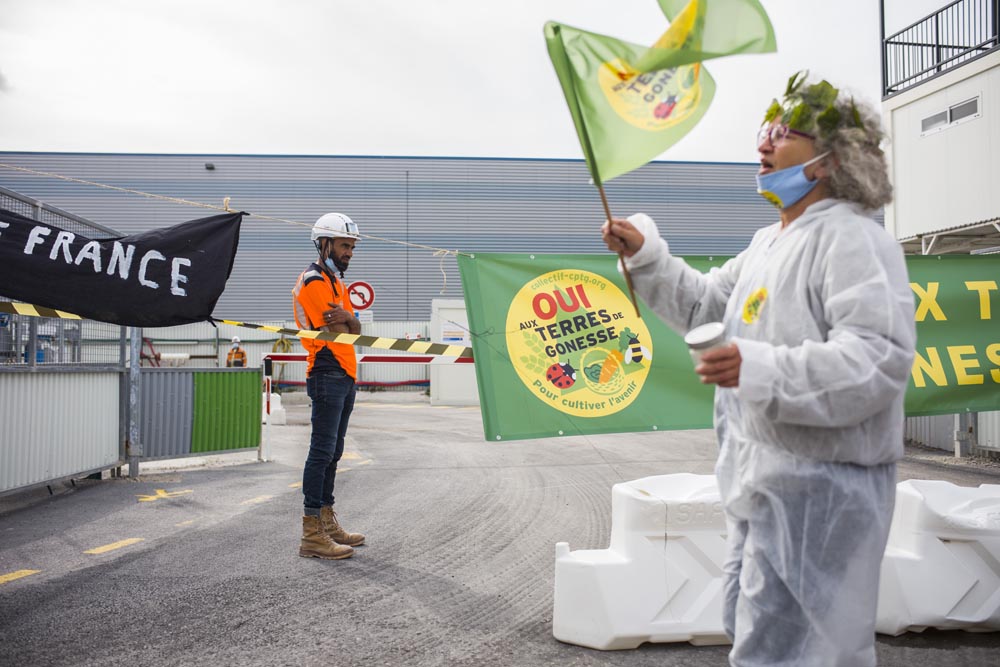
160,278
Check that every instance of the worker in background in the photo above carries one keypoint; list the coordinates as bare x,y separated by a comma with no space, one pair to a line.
237,357
321,303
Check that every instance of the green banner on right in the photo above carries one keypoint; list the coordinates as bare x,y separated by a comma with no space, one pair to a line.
957,367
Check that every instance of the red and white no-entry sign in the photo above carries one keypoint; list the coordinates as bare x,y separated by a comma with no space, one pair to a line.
361,294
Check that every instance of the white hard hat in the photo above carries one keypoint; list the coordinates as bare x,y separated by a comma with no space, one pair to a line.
335,226
236,339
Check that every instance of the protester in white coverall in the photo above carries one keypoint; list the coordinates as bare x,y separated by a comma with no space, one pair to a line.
809,405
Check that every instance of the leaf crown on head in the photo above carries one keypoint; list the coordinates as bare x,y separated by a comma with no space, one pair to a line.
812,109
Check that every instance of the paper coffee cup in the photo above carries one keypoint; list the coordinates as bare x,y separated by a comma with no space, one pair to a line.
701,339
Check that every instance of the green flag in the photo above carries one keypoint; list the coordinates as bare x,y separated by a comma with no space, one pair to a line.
717,28
624,118
630,103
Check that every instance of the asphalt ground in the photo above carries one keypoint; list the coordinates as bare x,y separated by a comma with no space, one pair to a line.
199,565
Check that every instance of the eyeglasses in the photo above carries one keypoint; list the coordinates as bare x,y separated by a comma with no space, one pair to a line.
775,133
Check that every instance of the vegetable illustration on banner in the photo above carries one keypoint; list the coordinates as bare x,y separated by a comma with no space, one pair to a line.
570,335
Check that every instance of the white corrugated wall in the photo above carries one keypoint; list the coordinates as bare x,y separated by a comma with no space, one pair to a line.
57,425
938,431
989,431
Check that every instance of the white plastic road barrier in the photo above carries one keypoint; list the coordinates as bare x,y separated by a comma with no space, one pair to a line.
659,580
941,567
278,415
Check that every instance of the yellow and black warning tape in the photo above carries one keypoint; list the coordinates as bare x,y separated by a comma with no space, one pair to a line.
416,346
35,311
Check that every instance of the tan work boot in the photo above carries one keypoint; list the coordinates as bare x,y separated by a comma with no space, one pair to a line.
317,544
336,532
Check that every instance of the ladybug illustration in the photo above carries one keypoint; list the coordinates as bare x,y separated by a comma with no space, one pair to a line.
665,108
561,375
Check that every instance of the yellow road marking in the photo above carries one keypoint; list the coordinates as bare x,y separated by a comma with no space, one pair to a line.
162,493
295,486
114,545
184,523
350,456
16,574
258,499
359,463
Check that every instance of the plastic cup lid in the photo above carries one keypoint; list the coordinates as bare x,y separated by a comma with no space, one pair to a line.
706,334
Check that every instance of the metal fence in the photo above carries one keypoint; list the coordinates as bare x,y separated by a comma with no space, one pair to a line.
39,341
63,410
957,33
191,412
73,400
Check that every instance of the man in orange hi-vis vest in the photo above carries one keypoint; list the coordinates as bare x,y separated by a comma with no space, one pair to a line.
321,303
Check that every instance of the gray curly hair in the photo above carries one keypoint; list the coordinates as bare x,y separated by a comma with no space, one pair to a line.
849,130
859,171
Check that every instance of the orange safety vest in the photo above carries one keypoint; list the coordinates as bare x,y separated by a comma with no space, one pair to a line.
313,293
236,358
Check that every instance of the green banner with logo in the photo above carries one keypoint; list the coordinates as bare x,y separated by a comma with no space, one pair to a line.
560,351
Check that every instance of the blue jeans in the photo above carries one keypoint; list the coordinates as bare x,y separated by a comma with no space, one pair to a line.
332,397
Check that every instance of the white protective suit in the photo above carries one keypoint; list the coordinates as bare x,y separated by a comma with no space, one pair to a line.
809,439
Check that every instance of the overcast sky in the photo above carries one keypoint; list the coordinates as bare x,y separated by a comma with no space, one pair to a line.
373,77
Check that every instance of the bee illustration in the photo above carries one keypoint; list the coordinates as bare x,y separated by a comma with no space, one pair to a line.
636,352
665,107
561,375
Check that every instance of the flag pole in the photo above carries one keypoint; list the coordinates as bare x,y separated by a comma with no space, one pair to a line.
621,255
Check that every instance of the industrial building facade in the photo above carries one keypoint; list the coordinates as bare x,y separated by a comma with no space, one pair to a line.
464,204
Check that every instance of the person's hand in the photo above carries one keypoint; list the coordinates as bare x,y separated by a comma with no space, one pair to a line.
721,366
336,314
621,236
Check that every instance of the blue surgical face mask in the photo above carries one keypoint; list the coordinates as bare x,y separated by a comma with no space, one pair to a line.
334,265
785,187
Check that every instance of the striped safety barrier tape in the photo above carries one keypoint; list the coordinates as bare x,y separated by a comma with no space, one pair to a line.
35,311
371,358
399,344
378,342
